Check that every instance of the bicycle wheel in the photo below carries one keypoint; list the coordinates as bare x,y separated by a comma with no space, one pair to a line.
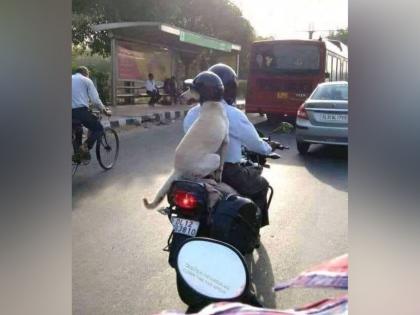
74,168
107,148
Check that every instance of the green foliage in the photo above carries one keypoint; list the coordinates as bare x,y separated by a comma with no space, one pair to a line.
218,18
100,71
241,93
342,35
264,38
102,80
284,127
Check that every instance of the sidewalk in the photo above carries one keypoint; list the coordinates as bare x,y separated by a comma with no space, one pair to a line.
137,115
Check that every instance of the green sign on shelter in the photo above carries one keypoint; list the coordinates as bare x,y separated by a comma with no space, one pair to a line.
204,41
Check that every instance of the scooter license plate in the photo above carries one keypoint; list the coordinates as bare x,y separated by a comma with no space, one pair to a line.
185,226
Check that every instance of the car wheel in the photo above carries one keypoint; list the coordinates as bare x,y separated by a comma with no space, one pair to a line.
302,147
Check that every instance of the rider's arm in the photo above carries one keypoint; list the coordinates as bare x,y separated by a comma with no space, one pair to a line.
93,95
191,116
245,131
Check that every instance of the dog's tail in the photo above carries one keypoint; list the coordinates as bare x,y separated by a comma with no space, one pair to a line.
162,191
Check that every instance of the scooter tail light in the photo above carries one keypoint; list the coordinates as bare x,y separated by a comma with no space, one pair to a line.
302,113
185,201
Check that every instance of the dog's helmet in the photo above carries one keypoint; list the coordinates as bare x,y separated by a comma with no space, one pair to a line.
209,86
229,79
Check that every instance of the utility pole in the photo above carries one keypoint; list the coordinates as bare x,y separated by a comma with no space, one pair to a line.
311,30
311,33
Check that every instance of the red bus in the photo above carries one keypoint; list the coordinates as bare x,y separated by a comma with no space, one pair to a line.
283,73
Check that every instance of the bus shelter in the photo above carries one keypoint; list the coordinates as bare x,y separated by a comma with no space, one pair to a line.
140,48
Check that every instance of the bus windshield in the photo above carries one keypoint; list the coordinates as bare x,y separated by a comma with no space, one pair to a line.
288,58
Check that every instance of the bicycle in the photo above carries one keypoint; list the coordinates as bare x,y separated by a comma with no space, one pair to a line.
107,146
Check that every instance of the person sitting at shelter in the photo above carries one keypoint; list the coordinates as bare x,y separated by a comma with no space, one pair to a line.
152,90
166,99
166,87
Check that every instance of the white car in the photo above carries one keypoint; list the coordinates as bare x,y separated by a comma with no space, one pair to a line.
323,118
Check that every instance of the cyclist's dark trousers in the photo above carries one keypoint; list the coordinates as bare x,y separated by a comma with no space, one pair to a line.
91,122
154,96
248,182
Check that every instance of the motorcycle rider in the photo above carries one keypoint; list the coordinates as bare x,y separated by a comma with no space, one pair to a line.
247,181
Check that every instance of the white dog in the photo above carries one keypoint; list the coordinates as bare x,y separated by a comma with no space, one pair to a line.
201,151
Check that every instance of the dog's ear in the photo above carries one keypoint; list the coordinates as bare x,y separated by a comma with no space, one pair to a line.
186,94
190,95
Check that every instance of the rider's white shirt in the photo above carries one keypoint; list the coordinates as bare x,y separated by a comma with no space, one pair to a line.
83,90
241,133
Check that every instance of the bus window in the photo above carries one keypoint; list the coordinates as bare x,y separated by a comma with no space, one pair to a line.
259,61
329,66
343,67
340,70
347,70
337,71
287,58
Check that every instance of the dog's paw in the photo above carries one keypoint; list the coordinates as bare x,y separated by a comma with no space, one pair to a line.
164,211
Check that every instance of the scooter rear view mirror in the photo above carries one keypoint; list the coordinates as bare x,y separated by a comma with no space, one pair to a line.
213,269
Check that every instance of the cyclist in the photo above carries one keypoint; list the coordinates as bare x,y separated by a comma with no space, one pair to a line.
83,91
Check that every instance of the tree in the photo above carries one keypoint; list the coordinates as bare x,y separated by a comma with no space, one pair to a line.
218,18
341,35
264,37
87,13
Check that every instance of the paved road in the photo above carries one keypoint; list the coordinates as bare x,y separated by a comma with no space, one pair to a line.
118,263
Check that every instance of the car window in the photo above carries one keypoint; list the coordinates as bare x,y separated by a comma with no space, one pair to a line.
338,92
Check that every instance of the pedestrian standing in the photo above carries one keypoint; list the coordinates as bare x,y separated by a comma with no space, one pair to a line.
173,90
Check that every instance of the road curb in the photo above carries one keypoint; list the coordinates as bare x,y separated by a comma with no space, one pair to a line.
159,118
142,120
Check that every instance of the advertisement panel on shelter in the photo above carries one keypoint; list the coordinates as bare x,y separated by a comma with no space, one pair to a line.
136,61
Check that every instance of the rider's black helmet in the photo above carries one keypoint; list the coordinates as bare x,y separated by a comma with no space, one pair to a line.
229,79
209,86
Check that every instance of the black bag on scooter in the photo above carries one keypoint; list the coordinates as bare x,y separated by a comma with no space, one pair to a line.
236,220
